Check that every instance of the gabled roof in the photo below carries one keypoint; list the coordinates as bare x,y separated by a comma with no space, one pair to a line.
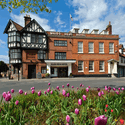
112,60
33,21
17,26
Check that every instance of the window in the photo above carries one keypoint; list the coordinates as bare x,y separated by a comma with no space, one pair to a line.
101,47
13,36
105,32
43,70
91,47
40,39
60,43
80,66
121,59
91,65
52,70
101,65
41,54
111,47
32,38
80,47
95,32
86,31
35,38
15,53
60,55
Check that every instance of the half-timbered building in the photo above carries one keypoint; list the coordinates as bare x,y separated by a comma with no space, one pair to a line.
36,52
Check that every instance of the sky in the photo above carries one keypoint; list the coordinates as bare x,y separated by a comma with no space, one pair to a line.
86,14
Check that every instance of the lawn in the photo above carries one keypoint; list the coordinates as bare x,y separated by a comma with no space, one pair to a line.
83,106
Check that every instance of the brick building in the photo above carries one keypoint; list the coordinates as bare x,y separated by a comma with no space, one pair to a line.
37,52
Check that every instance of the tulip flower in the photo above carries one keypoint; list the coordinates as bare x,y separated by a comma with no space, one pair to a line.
12,90
8,97
32,88
101,120
67,84
80,84
114,89
121,121
51,92
109,88
122,88
77,88
84,97
57,87
67,94
17,102
87,89
20,91
48,90
118,88
77,111
102,92
111,110
98,89
106,89
4,94
33,91
44,92
62,86
117,92
72,86
80,101
105,110
64,92
39,93
49,84
105,86
25,93
99,94
106,105
8,92
67,118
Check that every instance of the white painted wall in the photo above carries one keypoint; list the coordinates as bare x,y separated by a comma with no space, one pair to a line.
49,69
69,68
115,67
108,67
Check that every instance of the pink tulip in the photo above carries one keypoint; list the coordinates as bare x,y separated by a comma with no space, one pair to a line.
8,97
25,93
101,120
57,87
84,97
114,89
62,86
12,90
105,86
98,89
80,101
109,88
32,88
4,94
17,102
106,89
48,90
67,84
39,93
77,111
102,92
64,92
117,92
44,92
77,88
72,86
122,88
87,89
51,92
118,88
99,94
33,91
80,84
67,118
67,94
49,84
21,91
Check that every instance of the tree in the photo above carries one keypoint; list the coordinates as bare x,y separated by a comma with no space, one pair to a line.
28,5
3,67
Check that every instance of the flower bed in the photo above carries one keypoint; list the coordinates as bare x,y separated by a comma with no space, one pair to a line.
81,106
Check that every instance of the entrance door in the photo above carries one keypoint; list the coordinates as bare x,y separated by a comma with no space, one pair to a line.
63,72
31,71
111,68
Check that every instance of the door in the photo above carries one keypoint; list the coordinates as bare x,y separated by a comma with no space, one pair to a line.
31,71
55,71
111,68
63,72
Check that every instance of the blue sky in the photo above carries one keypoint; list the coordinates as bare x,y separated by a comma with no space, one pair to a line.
89,14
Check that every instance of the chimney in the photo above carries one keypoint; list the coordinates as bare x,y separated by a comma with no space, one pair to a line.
109,28
27,19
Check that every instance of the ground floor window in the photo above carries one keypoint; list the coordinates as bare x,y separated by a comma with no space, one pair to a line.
52,70
91,65
43,70
80,65
101,65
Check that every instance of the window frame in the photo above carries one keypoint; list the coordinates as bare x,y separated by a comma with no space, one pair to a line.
14,54
13,36
82,64
60,54
103,66
43,69
60,42
100,47
80,46
90,48
92,65
110,47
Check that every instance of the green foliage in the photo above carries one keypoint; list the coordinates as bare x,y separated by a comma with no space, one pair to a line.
28,5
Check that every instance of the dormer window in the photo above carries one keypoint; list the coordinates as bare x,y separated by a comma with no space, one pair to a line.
95,31
86,31
76,30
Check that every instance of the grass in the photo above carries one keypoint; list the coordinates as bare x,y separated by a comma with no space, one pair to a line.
53,108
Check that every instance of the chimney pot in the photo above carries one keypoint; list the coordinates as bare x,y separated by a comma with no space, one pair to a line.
27,19
109,23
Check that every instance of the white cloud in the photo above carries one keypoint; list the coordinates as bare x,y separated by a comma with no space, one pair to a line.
42,21
4,58
2,43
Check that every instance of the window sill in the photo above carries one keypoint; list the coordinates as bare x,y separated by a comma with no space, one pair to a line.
80,52
101,53
91,52
101,71
91,71
80,71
